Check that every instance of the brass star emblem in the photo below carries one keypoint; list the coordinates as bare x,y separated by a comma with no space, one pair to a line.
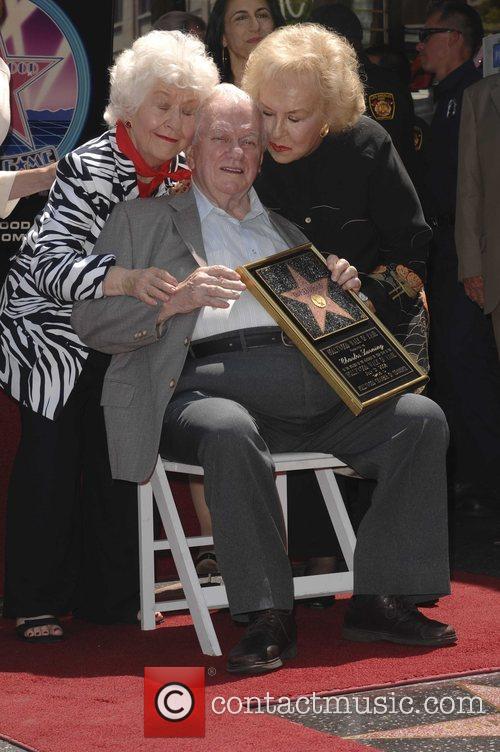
315,296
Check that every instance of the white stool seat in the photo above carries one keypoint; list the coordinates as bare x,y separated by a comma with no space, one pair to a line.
198,599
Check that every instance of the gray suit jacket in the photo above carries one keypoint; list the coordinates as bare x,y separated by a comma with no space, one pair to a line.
477,229
163,232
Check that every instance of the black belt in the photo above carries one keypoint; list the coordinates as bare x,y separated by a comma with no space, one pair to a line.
240,340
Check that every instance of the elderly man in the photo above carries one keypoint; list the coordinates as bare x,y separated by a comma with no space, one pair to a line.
209,377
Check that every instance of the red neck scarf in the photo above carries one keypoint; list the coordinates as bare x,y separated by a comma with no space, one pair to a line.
159,174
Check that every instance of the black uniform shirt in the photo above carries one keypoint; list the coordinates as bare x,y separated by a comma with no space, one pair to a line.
352,197
389,102
443,149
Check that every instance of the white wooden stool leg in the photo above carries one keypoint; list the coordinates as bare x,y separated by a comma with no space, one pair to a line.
281,487
184,563
146,556
338,514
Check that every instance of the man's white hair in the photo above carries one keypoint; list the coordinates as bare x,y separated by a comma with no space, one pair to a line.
233,96
172,57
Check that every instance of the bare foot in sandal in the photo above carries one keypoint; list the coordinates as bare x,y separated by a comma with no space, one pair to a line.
44,629
159,618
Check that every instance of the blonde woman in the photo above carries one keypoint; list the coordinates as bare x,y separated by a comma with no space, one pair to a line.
335,173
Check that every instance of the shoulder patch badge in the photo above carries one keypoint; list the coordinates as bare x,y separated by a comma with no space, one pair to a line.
418,137
382,105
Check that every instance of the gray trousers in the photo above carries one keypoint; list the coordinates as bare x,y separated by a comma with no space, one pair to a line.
230,411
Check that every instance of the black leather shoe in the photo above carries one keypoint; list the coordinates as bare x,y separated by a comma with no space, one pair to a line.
270,639
392,618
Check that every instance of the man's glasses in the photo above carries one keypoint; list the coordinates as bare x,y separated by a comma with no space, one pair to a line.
425,34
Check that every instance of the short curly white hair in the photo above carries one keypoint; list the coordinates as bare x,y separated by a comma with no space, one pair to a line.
175,58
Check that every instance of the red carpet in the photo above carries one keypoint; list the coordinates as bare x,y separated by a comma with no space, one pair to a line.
86,694
9,438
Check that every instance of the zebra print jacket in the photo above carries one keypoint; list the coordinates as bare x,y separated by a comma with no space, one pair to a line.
41,356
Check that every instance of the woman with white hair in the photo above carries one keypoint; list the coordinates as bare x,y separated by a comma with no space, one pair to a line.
336,175
156,87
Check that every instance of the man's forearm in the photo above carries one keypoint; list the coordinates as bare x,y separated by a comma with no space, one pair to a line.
115,325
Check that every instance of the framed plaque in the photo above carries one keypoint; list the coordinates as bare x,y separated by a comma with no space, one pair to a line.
334,329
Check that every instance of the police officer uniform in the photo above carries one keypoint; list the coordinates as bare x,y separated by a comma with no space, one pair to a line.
389,102
465,374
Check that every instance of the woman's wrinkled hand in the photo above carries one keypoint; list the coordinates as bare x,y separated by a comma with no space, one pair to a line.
343,273
213,286
151,285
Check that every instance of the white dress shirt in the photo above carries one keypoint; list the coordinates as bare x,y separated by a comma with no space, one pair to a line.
233,242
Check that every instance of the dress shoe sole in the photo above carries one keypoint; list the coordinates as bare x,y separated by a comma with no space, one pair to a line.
264,667
365,635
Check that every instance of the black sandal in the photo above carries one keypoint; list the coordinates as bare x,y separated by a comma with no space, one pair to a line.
203,557
21,630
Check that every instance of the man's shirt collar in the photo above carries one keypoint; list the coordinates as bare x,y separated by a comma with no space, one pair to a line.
454,79
205,206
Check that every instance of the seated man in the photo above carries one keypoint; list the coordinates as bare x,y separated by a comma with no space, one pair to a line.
209,378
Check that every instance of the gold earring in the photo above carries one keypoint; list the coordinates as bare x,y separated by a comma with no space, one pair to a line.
325,130
224,55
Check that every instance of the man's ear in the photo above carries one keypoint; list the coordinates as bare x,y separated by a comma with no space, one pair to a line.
190,157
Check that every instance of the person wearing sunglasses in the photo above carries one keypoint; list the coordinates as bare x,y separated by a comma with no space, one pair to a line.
465,373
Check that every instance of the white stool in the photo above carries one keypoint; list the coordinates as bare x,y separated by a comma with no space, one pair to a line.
199,600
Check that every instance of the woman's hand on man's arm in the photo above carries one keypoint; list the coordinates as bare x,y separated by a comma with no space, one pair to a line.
151,285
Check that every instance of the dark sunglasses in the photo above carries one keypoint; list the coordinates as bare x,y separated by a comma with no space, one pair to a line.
425,34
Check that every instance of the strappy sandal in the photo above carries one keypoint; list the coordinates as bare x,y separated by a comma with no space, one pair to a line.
21,630
206,564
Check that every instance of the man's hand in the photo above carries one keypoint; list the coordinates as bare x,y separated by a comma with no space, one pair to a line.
211,286
343,273
474,289
147,285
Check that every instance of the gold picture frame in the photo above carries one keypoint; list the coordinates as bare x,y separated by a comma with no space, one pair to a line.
339,335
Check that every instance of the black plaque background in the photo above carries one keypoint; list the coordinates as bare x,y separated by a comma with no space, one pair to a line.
277,279
383,379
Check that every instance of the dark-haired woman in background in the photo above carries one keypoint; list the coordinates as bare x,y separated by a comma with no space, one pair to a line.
235,28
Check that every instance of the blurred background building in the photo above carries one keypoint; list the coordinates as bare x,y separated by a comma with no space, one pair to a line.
384,21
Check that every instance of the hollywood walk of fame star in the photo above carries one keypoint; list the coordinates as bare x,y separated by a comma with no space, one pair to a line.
315,296
484,724
24,71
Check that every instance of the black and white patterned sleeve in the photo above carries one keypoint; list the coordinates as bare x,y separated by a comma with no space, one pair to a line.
62,263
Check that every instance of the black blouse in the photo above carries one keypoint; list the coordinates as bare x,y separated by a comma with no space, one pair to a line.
352,197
